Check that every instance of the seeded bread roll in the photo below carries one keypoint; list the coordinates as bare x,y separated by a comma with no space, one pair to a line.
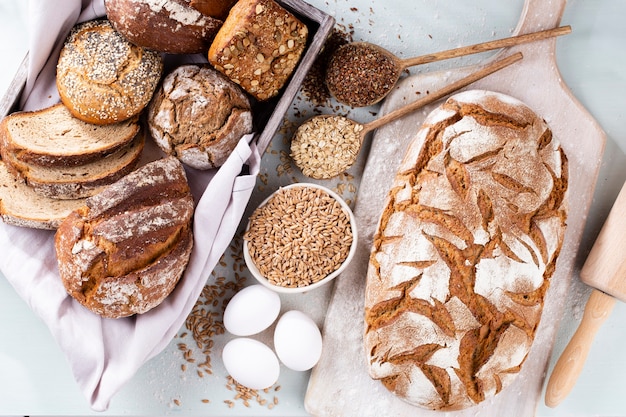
464,251
259,46
215,8
199,115
123,252
21,206
54,137
171,26
103,78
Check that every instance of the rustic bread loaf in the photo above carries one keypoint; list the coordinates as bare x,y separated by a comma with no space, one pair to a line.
215,8
21,206
54,137
464,251
171,26
199,115
259,46
123,252
78,181
102,77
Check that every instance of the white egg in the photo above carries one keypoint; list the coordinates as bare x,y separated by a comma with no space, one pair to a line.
298,341
251,310
251,363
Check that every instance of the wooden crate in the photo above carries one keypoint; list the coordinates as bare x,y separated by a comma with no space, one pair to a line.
268,115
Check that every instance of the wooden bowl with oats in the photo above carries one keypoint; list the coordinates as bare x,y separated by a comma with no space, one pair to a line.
300,238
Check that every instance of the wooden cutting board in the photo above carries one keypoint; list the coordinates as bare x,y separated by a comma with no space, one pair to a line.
339,384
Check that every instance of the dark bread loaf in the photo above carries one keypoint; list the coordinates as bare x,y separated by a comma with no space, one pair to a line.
171,26
215,8
259,46
125,250
103,78
464,251
199,115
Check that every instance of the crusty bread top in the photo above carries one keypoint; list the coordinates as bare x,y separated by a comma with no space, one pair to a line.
172,26
199,115
464,250
259,46
21,206
54,137
102,78
214,8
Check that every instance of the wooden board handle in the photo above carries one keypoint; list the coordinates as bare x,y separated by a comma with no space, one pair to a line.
571,362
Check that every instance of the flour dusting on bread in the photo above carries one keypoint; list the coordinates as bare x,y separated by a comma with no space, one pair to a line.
464,251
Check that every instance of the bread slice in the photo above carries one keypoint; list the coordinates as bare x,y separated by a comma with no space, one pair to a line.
54,137
77,181
21,206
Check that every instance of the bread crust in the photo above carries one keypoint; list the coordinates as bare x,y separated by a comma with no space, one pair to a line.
214,8
259,46
171,26
123,252
199,115
464,251
103,78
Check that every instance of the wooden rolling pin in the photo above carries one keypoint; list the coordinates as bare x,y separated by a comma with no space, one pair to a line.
605,271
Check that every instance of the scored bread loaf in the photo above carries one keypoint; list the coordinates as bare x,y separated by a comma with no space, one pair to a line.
103,78
464,251
171,26
259,46
199,115
21,206
54,137
77,181
123,252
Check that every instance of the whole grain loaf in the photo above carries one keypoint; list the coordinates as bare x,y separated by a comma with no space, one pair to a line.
464,251
259,46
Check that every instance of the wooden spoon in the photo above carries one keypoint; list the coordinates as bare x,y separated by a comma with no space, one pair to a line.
327,145
360,74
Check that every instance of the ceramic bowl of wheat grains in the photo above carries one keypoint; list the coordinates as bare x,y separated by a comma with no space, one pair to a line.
300,238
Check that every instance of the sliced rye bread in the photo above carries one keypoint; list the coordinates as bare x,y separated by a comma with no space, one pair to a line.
54,137
21,206
77,181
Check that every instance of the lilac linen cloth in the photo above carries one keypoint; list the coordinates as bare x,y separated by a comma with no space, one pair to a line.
104,353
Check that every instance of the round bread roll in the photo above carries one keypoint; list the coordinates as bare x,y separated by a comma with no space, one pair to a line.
124,251
102,78
171,26
199,115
